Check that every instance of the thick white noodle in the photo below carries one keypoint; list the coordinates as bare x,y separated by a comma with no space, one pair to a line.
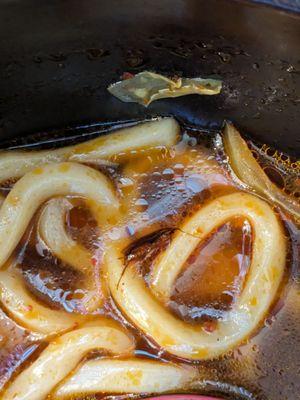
143,306
248,170
41,184
52,230
161,132
28,311
63,354
126,376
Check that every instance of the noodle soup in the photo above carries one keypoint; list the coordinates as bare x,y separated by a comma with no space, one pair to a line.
151,260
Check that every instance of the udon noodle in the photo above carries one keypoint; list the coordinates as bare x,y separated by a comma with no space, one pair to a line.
151,197
15,164
264,277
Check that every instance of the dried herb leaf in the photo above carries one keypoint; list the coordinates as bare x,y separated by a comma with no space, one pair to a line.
146,87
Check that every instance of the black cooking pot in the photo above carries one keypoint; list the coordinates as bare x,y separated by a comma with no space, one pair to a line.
57,58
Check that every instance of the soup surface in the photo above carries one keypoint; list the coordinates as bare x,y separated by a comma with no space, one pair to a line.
137,263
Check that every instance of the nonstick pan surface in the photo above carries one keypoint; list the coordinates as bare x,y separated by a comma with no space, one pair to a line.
57,58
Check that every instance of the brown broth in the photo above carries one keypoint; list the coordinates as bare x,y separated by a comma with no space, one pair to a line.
169,188
214,274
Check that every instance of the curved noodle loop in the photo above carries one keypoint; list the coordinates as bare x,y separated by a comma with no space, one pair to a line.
53,232
176,336
15,214
26,310
43,183
63,354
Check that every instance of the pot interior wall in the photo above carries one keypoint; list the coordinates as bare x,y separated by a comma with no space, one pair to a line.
57,58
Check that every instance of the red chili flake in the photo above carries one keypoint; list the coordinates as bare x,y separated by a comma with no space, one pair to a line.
192,259
127,75
94,261
209,326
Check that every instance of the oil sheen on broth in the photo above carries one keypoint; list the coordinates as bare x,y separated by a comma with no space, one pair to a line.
159,187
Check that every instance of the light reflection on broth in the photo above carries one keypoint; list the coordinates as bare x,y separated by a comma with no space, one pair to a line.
158,188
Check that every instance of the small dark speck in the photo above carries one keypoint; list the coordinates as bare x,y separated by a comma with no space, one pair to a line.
255,66
225,57
135,58
37,59
95,53
59,57
157,44
134,61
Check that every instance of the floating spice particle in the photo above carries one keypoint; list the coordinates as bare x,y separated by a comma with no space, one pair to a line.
210,326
